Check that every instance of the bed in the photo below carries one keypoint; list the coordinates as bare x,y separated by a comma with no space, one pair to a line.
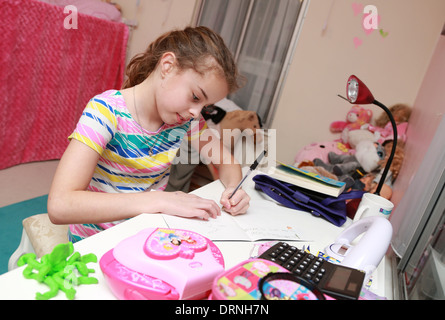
49,71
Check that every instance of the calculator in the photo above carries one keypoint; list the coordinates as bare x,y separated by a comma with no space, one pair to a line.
335,280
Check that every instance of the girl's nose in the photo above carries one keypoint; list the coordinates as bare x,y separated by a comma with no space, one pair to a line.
195,112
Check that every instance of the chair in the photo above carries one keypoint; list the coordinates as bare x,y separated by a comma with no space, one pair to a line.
39,236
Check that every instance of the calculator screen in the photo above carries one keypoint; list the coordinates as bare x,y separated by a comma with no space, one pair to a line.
339,280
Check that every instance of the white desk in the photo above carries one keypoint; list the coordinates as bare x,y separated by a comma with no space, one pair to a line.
14,286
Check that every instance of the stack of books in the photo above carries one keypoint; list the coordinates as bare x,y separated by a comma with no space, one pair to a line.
307,180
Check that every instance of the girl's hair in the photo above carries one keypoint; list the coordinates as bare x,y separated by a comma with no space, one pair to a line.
192,48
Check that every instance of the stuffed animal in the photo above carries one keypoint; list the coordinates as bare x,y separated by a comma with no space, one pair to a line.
320,151
354,137
350,168
231,122
383,127
355,119
371,180
400,112
237,123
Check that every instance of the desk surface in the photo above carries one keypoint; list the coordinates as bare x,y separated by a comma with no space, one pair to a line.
14,286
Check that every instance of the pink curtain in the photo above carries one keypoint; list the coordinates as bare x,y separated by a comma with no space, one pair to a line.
48,73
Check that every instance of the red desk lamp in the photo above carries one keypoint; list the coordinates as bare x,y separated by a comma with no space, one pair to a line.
358,93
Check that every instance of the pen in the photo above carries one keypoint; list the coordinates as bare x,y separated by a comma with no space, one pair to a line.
252,167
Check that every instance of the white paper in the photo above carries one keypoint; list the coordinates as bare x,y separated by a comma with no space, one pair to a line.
262,221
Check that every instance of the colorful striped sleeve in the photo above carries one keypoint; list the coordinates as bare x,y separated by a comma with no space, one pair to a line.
97,125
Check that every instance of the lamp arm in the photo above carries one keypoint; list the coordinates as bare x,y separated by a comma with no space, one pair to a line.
394,145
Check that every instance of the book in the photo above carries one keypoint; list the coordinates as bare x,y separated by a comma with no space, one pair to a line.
306,179
262,221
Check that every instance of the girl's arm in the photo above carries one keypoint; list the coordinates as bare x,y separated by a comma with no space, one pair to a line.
230,174
69,202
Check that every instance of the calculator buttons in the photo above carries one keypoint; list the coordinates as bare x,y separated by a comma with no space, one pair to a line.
297,261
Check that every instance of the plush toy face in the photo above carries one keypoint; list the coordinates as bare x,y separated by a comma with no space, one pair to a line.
352,116
355,118
358,116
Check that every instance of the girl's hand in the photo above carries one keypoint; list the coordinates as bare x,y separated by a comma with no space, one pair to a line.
188,205
238,204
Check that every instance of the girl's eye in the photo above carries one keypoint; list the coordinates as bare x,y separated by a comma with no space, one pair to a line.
195,98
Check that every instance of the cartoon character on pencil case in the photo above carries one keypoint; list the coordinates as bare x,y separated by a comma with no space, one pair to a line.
227,289
260,268
166,243
242,280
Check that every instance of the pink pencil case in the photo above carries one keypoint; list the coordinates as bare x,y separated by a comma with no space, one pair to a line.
162,264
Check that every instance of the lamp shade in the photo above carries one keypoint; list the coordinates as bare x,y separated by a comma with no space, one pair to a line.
357,92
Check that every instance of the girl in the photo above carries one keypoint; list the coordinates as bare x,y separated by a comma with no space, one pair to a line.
126,140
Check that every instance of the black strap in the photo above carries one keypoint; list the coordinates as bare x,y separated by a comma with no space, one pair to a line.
290,277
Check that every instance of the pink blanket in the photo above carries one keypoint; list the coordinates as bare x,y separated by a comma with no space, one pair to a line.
48,74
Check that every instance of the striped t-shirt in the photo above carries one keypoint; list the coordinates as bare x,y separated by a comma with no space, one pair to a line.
125,164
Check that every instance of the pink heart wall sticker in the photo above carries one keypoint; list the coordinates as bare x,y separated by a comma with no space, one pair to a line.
357,8
357,42
368,21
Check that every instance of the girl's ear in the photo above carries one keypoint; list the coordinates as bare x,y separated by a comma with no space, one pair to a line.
167,63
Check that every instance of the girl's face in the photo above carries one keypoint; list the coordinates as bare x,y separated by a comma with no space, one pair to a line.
181,95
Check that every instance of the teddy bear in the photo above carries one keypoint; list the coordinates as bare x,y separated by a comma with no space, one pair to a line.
236,123
232,123
356,118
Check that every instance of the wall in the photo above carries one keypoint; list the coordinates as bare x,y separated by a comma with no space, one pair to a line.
154,18
421,177
428,111
392,67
